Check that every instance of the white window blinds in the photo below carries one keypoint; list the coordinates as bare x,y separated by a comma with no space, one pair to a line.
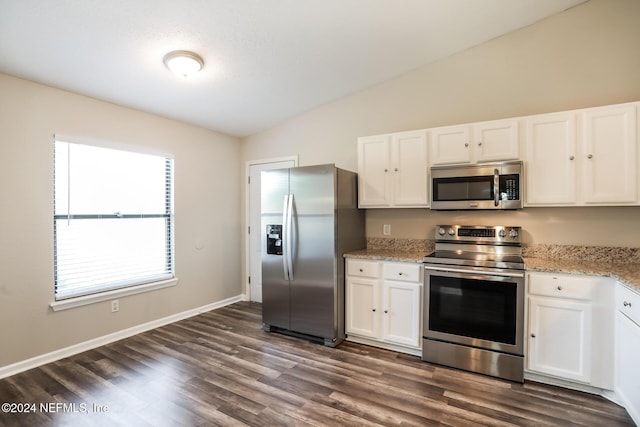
113,219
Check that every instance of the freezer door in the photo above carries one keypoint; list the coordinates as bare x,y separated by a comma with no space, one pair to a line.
313,276
275,286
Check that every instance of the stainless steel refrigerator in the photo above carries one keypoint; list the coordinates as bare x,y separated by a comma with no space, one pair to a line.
310,219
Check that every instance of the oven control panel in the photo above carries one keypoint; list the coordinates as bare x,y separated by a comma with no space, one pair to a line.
478,233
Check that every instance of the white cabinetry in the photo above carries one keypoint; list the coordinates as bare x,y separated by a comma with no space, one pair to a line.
583,157
477,142
393,170
609,155
570,319
627,384
551,159
384,304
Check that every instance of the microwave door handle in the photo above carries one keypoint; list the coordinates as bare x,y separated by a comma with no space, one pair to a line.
496,187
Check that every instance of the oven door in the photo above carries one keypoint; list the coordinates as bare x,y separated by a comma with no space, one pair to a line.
476,307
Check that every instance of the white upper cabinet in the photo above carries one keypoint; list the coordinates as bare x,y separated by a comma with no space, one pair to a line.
474,143
393,170
609,156
450,145
410,168
496,141
582,157
551,159
374,188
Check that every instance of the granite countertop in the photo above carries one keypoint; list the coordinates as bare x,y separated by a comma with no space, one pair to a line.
627,274
388,255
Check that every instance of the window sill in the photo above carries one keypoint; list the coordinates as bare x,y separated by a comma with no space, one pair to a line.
109,295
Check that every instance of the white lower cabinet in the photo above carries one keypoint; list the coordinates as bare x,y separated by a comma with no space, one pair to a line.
560,338
384,304
401,313
627,383
569,325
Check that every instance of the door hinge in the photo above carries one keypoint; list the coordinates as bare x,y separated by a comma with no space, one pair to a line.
249,180
249,279
249,230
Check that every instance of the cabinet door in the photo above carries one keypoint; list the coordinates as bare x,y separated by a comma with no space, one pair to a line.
410,169
550,145
374,187
450,145
362,307
496,140
560,338
609,155
401,317
627,372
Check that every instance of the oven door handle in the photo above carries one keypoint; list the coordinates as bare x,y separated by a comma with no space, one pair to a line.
476,272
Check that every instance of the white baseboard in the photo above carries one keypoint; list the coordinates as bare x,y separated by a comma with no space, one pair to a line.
43,359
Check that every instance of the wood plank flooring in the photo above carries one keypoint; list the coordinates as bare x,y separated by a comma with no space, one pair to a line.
221,369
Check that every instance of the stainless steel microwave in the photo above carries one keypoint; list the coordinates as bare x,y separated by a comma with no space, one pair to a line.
483,186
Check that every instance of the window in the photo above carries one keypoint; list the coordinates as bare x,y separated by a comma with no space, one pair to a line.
113,219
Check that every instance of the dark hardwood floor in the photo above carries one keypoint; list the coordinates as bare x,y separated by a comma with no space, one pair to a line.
221,369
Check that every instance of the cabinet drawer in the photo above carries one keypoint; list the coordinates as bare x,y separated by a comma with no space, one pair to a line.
405,272
363,268
628,302
563,286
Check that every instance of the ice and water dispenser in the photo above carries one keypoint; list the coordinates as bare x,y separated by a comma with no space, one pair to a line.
274,239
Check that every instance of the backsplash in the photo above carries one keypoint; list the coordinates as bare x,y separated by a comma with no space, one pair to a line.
616,255
400,245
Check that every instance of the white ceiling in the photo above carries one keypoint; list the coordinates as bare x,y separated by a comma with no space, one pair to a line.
265,60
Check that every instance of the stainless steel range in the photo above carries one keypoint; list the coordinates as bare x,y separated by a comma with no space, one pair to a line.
474,300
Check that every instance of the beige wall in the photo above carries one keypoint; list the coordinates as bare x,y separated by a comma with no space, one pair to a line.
584,57
207,178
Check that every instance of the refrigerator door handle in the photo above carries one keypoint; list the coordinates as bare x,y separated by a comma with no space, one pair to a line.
285,234
289,238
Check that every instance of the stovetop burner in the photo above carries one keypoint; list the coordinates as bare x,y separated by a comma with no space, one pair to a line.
514,262
478,246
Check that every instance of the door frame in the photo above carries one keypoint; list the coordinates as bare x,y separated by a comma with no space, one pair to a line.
247,215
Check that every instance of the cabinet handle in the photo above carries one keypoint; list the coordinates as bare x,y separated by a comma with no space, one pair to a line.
559,287
590,156
361,270
571,158
466,144
386,170
386,311
533,335
400,274
373,309
479,144
626,304
396,169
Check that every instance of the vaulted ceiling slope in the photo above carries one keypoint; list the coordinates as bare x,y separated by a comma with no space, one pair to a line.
265,60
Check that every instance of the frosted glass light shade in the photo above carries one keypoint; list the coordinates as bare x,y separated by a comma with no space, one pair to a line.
183,62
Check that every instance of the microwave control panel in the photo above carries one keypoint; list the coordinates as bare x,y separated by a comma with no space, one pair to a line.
509,187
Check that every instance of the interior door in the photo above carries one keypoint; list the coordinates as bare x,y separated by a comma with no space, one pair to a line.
254,258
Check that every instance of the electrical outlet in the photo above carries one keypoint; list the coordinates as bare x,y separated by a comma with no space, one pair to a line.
115,305
386,229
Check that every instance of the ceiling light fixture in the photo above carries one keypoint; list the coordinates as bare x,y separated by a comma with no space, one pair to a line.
183,62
